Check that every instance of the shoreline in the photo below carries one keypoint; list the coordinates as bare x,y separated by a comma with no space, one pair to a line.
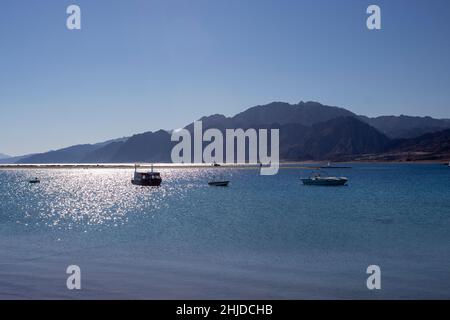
282,165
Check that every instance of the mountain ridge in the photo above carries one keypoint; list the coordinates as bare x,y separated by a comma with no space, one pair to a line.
314,130
404,126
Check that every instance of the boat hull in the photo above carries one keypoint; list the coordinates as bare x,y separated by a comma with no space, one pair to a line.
325,182
147,183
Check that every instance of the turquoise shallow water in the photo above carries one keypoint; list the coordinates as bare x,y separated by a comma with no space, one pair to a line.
262,237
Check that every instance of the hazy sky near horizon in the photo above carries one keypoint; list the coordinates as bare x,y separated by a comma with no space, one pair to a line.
140,65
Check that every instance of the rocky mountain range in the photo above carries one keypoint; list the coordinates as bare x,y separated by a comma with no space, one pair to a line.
308,131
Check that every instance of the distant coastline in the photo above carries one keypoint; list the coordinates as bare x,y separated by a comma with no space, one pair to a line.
283,165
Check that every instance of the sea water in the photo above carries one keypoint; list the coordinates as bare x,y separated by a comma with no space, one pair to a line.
263,237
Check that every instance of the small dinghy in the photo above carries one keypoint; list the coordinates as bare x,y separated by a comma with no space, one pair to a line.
219,183
330,166
318,179
34,180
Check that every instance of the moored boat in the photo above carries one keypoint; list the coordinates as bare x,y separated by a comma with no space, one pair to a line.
321,180
330,166
147,179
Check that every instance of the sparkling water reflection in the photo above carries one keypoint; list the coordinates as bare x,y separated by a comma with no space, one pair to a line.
69,198
262,237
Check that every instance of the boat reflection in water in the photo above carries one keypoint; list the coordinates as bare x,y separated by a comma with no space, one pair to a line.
148,179
34,180
223,183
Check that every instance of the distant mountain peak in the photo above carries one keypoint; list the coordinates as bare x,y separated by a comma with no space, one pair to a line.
310,103
304,113
214,117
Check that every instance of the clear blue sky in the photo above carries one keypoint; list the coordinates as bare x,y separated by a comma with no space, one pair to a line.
140,65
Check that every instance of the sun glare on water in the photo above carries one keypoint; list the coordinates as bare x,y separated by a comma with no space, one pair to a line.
87,197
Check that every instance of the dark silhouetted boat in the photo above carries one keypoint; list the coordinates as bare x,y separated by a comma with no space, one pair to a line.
318,179
34,180
147,179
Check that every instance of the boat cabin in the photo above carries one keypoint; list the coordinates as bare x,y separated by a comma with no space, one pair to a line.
150,178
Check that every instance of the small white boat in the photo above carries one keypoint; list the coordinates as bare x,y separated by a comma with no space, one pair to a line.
218,181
